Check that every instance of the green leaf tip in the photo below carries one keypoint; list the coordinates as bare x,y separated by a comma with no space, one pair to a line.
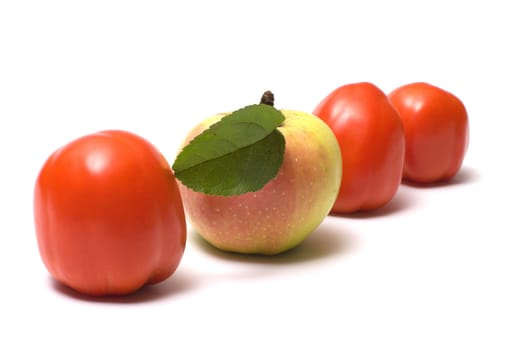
238,154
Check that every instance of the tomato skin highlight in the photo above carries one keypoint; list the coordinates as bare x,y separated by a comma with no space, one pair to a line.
436,131
371,138
108,214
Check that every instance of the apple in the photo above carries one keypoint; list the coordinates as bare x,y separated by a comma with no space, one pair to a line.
283,213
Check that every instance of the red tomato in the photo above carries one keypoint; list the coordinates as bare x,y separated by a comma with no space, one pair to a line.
436,130
371,139
108,214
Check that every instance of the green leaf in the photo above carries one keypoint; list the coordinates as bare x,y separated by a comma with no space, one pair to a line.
238,154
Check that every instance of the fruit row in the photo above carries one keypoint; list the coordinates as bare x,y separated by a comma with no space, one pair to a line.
111,214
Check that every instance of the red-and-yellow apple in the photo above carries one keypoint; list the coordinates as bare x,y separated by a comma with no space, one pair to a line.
287,209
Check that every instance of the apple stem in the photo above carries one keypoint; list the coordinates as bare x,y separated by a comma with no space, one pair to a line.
267,98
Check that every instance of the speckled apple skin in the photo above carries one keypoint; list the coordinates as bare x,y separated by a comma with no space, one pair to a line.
287,209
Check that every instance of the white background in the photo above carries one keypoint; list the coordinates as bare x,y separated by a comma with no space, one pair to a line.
440,267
